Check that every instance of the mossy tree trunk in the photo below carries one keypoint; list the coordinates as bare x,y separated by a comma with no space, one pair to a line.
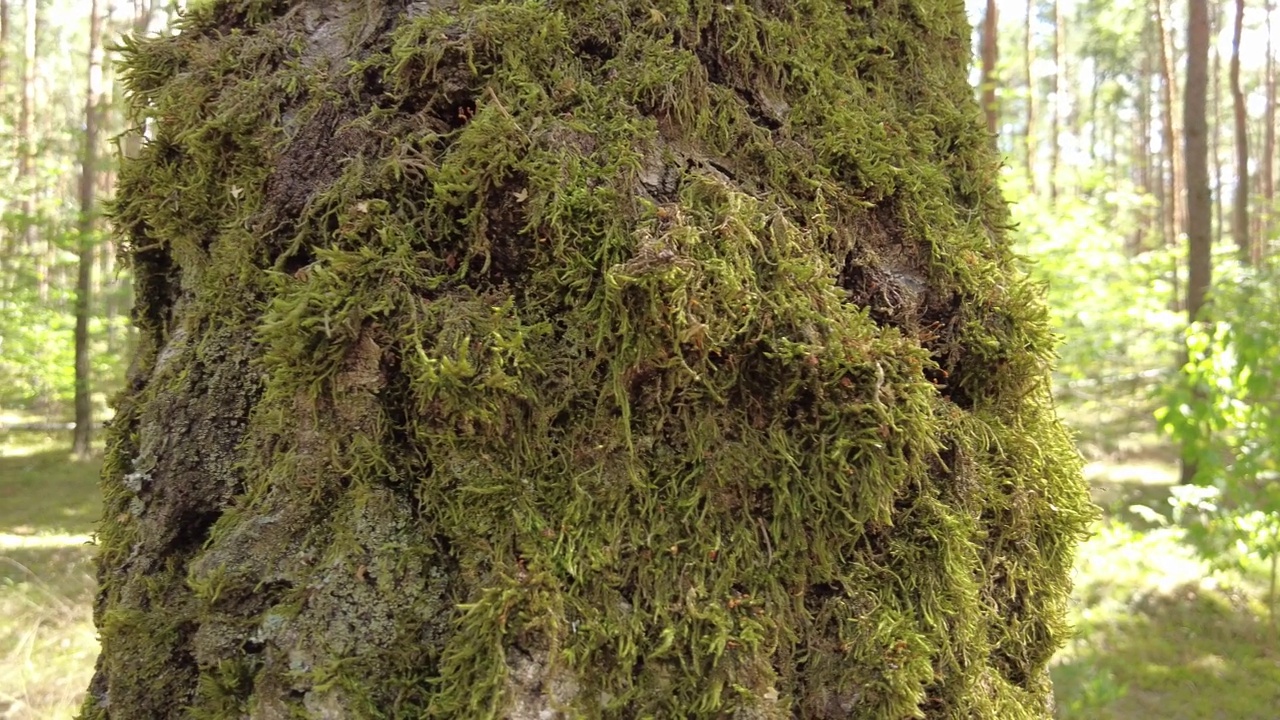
581,359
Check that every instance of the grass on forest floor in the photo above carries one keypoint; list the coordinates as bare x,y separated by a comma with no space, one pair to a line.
1158,634
48,505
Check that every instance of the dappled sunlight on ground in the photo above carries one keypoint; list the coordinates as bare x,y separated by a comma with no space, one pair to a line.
1122,489
9,541
1159,633
47,640
48,644
1134,472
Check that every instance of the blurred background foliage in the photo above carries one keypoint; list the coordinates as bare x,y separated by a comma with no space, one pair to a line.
1176,406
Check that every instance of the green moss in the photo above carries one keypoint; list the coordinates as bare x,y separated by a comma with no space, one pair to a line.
630,360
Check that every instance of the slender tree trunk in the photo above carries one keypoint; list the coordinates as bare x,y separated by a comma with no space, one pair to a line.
990,57
81,446
1095,126
1174,201
1055,110
1029,137
1113,148
1160,184
1142,151
1240,206
1159,175
464,392
1199,207
1268,159
7,251
4,48
1075,98
26,140
1216,132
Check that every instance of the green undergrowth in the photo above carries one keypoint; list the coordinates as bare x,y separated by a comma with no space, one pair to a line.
629,359
48,504
1158,634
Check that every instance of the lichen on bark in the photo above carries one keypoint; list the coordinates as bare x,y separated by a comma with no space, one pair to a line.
580,359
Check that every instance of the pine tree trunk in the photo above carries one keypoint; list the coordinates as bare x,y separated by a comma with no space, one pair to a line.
25,180
86,241
1029,137
1142,150
1268,159
4,48
1199,206
1173,206
1216,131
7,248
990,56
577,360
1055,111
1094,125
1240,204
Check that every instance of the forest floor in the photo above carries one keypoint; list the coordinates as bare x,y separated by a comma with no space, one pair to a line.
1158,633
48,507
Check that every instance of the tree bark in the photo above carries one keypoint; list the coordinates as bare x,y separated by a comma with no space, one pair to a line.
1029,137
1268,159
592,359
1055,113
7,250
1173,207
26,139
1142,149
1216,131
1240,204
1199,207
4,49
87,229
991,56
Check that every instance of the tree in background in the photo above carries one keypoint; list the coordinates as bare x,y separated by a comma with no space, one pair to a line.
1268,160
1240,204
614,358
1029,86
1199,204
990,57
26,139
87,231
1055,106
43,190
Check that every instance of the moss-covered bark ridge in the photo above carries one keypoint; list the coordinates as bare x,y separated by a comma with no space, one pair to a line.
612,359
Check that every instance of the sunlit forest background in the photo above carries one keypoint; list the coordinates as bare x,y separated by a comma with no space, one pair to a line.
1140,153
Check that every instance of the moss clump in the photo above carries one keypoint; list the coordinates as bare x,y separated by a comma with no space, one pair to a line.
606,359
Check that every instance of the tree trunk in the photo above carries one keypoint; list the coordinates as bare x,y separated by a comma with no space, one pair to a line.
1094,131
1199,206
1268,159
4,50
585,359
87,228
1142,150
1029,139
1055,111
7,250
26,141
1173,207
1240,205
990,56
1215,132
